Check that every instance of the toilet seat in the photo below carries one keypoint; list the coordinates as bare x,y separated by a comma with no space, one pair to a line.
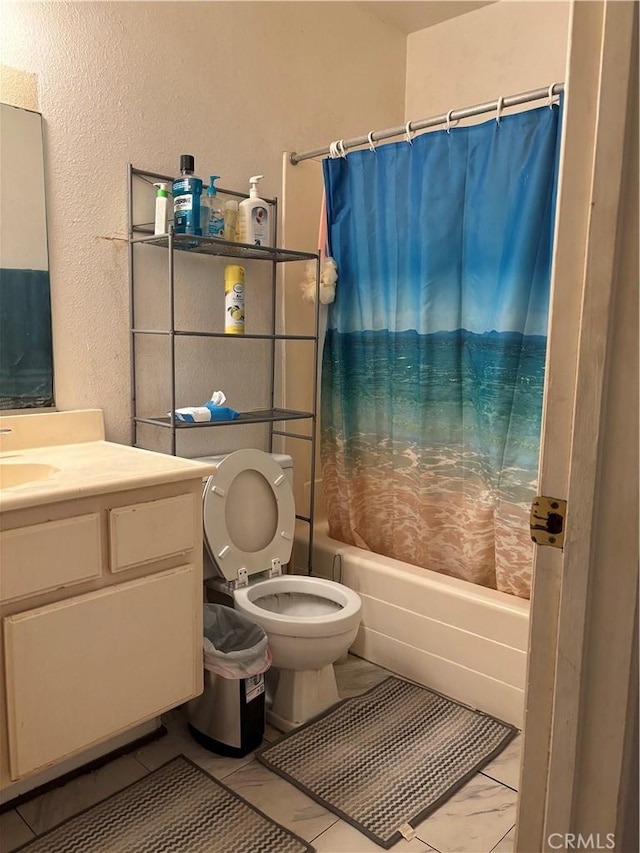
230,559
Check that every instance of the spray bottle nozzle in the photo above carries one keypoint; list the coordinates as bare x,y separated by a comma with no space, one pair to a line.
163,190
212,189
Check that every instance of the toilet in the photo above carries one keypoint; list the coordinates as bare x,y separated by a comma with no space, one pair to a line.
248,525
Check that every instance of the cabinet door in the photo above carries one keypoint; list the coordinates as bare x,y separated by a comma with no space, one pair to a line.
84,669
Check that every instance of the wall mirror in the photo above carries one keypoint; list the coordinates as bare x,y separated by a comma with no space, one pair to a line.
26,359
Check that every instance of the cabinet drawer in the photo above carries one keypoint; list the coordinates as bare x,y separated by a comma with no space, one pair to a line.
149,531
47,556
82,670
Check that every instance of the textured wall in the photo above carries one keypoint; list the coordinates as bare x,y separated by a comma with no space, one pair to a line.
235,84
500,49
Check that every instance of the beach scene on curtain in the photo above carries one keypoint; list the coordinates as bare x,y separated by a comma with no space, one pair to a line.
433,362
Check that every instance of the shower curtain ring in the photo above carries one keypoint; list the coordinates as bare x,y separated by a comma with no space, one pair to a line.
407,131
372,147
499,109
340,147
551,96
448,122
333,150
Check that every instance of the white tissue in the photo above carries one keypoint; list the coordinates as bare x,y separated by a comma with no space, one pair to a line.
218,398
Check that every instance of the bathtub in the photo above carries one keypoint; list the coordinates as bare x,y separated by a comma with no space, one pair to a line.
458,638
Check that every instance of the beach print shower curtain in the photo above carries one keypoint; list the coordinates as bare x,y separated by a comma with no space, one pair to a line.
433,363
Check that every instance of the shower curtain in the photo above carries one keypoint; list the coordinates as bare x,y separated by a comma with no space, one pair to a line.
433,362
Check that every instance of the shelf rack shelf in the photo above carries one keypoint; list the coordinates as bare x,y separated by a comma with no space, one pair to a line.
257,416
185,333
220,248
141,234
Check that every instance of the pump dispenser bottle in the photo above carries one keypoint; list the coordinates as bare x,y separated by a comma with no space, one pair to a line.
215,216
253,217
187,190
162,208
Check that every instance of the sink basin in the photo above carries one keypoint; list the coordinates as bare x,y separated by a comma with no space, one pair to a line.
18,473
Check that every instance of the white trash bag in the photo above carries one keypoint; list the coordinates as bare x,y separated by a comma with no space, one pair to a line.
234,646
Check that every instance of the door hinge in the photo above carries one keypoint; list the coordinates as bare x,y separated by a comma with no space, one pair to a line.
547,521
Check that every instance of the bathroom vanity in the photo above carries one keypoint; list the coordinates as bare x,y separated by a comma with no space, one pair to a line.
100,588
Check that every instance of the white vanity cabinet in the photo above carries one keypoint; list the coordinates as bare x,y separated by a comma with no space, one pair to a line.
101,608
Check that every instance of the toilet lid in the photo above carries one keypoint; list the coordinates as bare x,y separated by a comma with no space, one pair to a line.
248,514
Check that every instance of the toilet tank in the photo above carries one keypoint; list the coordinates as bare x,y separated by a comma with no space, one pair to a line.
283,459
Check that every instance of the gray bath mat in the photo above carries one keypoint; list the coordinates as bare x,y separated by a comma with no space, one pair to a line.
178,808
385,760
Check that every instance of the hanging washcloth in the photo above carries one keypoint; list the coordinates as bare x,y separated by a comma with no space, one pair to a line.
322,229
328,267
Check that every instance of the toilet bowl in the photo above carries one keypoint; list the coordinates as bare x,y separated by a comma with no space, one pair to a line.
249,520
310,622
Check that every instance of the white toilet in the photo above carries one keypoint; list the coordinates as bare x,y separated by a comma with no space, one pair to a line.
249,521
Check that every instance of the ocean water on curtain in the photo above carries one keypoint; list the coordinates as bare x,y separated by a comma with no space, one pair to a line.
419,467
433,364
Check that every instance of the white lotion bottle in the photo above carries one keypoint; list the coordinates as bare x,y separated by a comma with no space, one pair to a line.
253,217
162,209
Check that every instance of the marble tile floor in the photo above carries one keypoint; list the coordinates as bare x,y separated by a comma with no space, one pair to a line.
479,818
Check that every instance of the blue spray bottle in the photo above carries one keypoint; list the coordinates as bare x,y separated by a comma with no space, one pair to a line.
187,190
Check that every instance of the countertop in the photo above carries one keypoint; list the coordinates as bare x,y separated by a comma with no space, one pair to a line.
93,468
87,465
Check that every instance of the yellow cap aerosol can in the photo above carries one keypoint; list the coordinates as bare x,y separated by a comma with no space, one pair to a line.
234,299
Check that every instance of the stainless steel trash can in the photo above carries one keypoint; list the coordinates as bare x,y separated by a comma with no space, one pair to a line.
229,716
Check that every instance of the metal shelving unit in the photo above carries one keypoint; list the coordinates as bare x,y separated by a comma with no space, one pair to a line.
141,234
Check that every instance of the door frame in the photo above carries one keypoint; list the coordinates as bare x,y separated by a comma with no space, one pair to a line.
577,419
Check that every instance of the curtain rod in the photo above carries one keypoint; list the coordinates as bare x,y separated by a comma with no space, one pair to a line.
451,116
